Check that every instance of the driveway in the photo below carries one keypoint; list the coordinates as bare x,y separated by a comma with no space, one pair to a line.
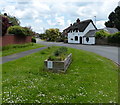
109,52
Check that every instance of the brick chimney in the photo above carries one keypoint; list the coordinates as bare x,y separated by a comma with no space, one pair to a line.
78,20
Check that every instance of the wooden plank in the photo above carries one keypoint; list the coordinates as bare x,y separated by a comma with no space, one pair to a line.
58,66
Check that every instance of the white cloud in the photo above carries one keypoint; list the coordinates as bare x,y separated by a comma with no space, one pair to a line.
100,24
38,21
58,13
60,20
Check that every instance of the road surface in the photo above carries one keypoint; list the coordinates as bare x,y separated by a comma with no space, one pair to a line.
109,52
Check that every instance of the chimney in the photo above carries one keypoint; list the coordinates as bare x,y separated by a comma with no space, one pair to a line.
70,24
5,14
78,20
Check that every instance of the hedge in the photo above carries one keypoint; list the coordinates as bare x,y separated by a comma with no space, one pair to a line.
21,31
114,38
101,34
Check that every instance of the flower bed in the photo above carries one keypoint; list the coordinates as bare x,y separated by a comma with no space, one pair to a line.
58,66
59,61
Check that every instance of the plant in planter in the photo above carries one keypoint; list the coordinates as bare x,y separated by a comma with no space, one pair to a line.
59,60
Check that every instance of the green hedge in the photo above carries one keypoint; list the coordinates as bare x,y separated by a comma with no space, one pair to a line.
101,34
21,31
114,38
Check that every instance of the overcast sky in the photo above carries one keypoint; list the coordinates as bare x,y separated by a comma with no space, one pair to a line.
44,14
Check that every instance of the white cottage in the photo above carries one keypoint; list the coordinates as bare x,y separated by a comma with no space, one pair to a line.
78,32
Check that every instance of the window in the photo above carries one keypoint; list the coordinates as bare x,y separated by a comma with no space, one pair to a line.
76,38
71,38
87,39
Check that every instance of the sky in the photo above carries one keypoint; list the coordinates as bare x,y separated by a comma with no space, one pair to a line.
44,14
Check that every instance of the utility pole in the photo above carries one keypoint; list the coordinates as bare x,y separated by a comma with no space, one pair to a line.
95,20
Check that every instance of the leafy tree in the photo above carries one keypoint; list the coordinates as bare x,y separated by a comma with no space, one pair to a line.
5,24
114,19
52,34
8,21
14,20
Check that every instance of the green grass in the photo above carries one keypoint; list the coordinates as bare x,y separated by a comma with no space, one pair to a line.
89,79
16,48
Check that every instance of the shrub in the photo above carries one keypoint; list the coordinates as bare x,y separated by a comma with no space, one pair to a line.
101,34
33,40
17,30
52,58
114,38
21,31
60,51
59,54
28,31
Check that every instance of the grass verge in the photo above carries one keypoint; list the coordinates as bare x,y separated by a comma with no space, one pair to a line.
89,79
16,48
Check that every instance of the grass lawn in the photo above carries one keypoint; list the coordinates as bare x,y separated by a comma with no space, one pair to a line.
89,79
11,49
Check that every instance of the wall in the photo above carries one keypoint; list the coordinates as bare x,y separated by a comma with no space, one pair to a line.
14,39
91,40
101,41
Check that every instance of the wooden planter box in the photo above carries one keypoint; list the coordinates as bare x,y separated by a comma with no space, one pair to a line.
58,66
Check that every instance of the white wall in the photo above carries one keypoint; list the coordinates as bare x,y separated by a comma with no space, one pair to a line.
91,40
89,27
72,35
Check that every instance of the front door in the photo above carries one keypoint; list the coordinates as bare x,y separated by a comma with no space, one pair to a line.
80,40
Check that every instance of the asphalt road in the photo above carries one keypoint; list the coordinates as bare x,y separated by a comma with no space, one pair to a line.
109,52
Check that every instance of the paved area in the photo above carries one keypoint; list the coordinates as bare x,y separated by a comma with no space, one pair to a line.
19,55
109,52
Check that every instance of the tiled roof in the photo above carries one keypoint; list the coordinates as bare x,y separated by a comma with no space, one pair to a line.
110,30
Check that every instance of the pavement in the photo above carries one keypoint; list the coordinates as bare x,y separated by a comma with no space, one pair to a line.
19,55
110,52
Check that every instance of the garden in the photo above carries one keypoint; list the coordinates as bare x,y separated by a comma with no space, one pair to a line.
90,78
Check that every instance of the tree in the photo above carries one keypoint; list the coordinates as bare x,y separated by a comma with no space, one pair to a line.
14,20
52,34
8,21
114,19
5,24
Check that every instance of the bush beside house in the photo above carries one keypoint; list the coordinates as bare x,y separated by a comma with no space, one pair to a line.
105,38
